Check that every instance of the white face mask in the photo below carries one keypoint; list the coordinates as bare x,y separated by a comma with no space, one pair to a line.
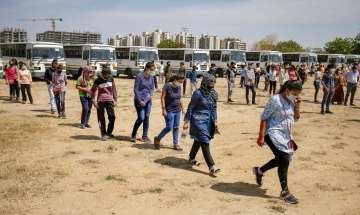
292,98
178,84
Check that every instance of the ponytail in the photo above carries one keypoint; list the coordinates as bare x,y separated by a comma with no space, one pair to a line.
291,85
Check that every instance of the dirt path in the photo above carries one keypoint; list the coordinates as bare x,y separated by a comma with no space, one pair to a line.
51,166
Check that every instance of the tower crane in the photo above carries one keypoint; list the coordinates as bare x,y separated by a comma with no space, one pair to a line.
52,20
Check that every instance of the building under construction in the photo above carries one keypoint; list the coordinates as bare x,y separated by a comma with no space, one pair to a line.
13,35
69,37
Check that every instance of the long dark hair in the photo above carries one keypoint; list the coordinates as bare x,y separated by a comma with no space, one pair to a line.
291,85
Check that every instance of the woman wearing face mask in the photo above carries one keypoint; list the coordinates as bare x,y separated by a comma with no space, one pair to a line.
11,78
328,89
143,90
339,85
25,80
276,123
202,116
171,110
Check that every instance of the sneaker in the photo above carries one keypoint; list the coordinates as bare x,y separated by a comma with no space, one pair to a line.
52,112
104,138
82,126
156,143
133,139
353,104
288,197
214,170
87,126
329,112
110,136
193,162
146,140
322,112
177,148
258,176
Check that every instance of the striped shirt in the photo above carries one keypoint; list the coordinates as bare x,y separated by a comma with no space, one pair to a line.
104,90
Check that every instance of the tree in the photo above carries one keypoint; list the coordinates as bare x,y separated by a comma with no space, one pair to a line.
170,44
356,41
267,43
288,46
340,46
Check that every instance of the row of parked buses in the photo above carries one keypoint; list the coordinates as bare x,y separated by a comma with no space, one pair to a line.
131,60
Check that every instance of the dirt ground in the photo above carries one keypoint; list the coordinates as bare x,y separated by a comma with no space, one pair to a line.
51,166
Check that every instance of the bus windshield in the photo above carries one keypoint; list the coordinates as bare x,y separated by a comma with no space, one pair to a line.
276,58
48,53
201,57
334,60
312,59
102,54
148,56
238,56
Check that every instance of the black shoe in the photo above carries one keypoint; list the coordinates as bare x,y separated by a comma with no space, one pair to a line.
345,104
288,197
110,136
329,112
322,112
353,104
156,143
258,176
193,162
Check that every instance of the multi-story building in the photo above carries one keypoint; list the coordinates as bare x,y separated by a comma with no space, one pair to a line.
149,39
232,43
9,35
188,39
209,42
69,37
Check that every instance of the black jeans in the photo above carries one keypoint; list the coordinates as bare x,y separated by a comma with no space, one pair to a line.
25,89
184,87
281,161
14,90
350,90
257,80
272,87
205,150
60,103
253,92
155,82
317,88
109,107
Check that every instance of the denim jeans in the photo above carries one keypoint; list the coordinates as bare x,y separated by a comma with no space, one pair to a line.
172,121
350,90
247,92
109,108
143,115
52,97
60,103
317,88
86,104
26,92
327,99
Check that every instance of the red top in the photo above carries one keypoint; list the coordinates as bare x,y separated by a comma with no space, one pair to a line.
11,73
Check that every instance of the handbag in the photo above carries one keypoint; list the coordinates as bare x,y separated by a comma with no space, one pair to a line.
292,144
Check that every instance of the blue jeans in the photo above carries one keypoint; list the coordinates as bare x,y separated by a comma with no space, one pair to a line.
60,103
350,90
172,121
327,99
86,104
52,97
143,114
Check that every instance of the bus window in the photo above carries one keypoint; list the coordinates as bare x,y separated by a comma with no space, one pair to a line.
133,56
225,58
122,53
215,55
323,58
86,54
252,56
188,57
304,59
264,58
28,53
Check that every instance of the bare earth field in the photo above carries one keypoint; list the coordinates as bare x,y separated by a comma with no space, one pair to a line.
50,166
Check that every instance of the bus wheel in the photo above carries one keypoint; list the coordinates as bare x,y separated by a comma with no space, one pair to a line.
128,73
220,72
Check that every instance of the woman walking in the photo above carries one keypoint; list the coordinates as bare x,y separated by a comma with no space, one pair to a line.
143,90
317,81
171,110
202,117
59,81
84,84
250,80
25,80
104,97
273,73
276,123
11,78
339,84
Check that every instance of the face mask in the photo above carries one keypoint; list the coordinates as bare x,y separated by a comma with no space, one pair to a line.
292,98
178,84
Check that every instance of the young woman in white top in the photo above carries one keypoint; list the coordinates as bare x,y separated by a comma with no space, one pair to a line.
25,80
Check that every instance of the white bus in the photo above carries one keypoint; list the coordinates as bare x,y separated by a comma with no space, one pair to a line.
350,59
264,58
335,59
37,55
132,60
96,55
298,58
1,66
190,57
223,57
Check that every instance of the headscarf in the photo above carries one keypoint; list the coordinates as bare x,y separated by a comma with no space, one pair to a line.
210,93
86,73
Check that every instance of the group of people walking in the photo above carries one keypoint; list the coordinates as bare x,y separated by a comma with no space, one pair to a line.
200,116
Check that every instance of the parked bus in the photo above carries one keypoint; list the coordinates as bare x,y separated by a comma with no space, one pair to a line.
264,58
37,55
190,57
1,66
78,56
223,57
350,59
336,59
298,58
132,60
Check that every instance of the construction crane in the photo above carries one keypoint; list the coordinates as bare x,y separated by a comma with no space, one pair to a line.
52,20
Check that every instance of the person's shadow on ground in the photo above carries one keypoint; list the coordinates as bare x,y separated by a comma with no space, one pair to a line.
241,188
178,163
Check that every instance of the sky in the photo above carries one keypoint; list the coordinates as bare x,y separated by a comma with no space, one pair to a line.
310,22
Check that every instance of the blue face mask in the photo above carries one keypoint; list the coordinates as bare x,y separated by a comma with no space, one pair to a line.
292,98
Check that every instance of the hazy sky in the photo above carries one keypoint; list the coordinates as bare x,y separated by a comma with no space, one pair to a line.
311,22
